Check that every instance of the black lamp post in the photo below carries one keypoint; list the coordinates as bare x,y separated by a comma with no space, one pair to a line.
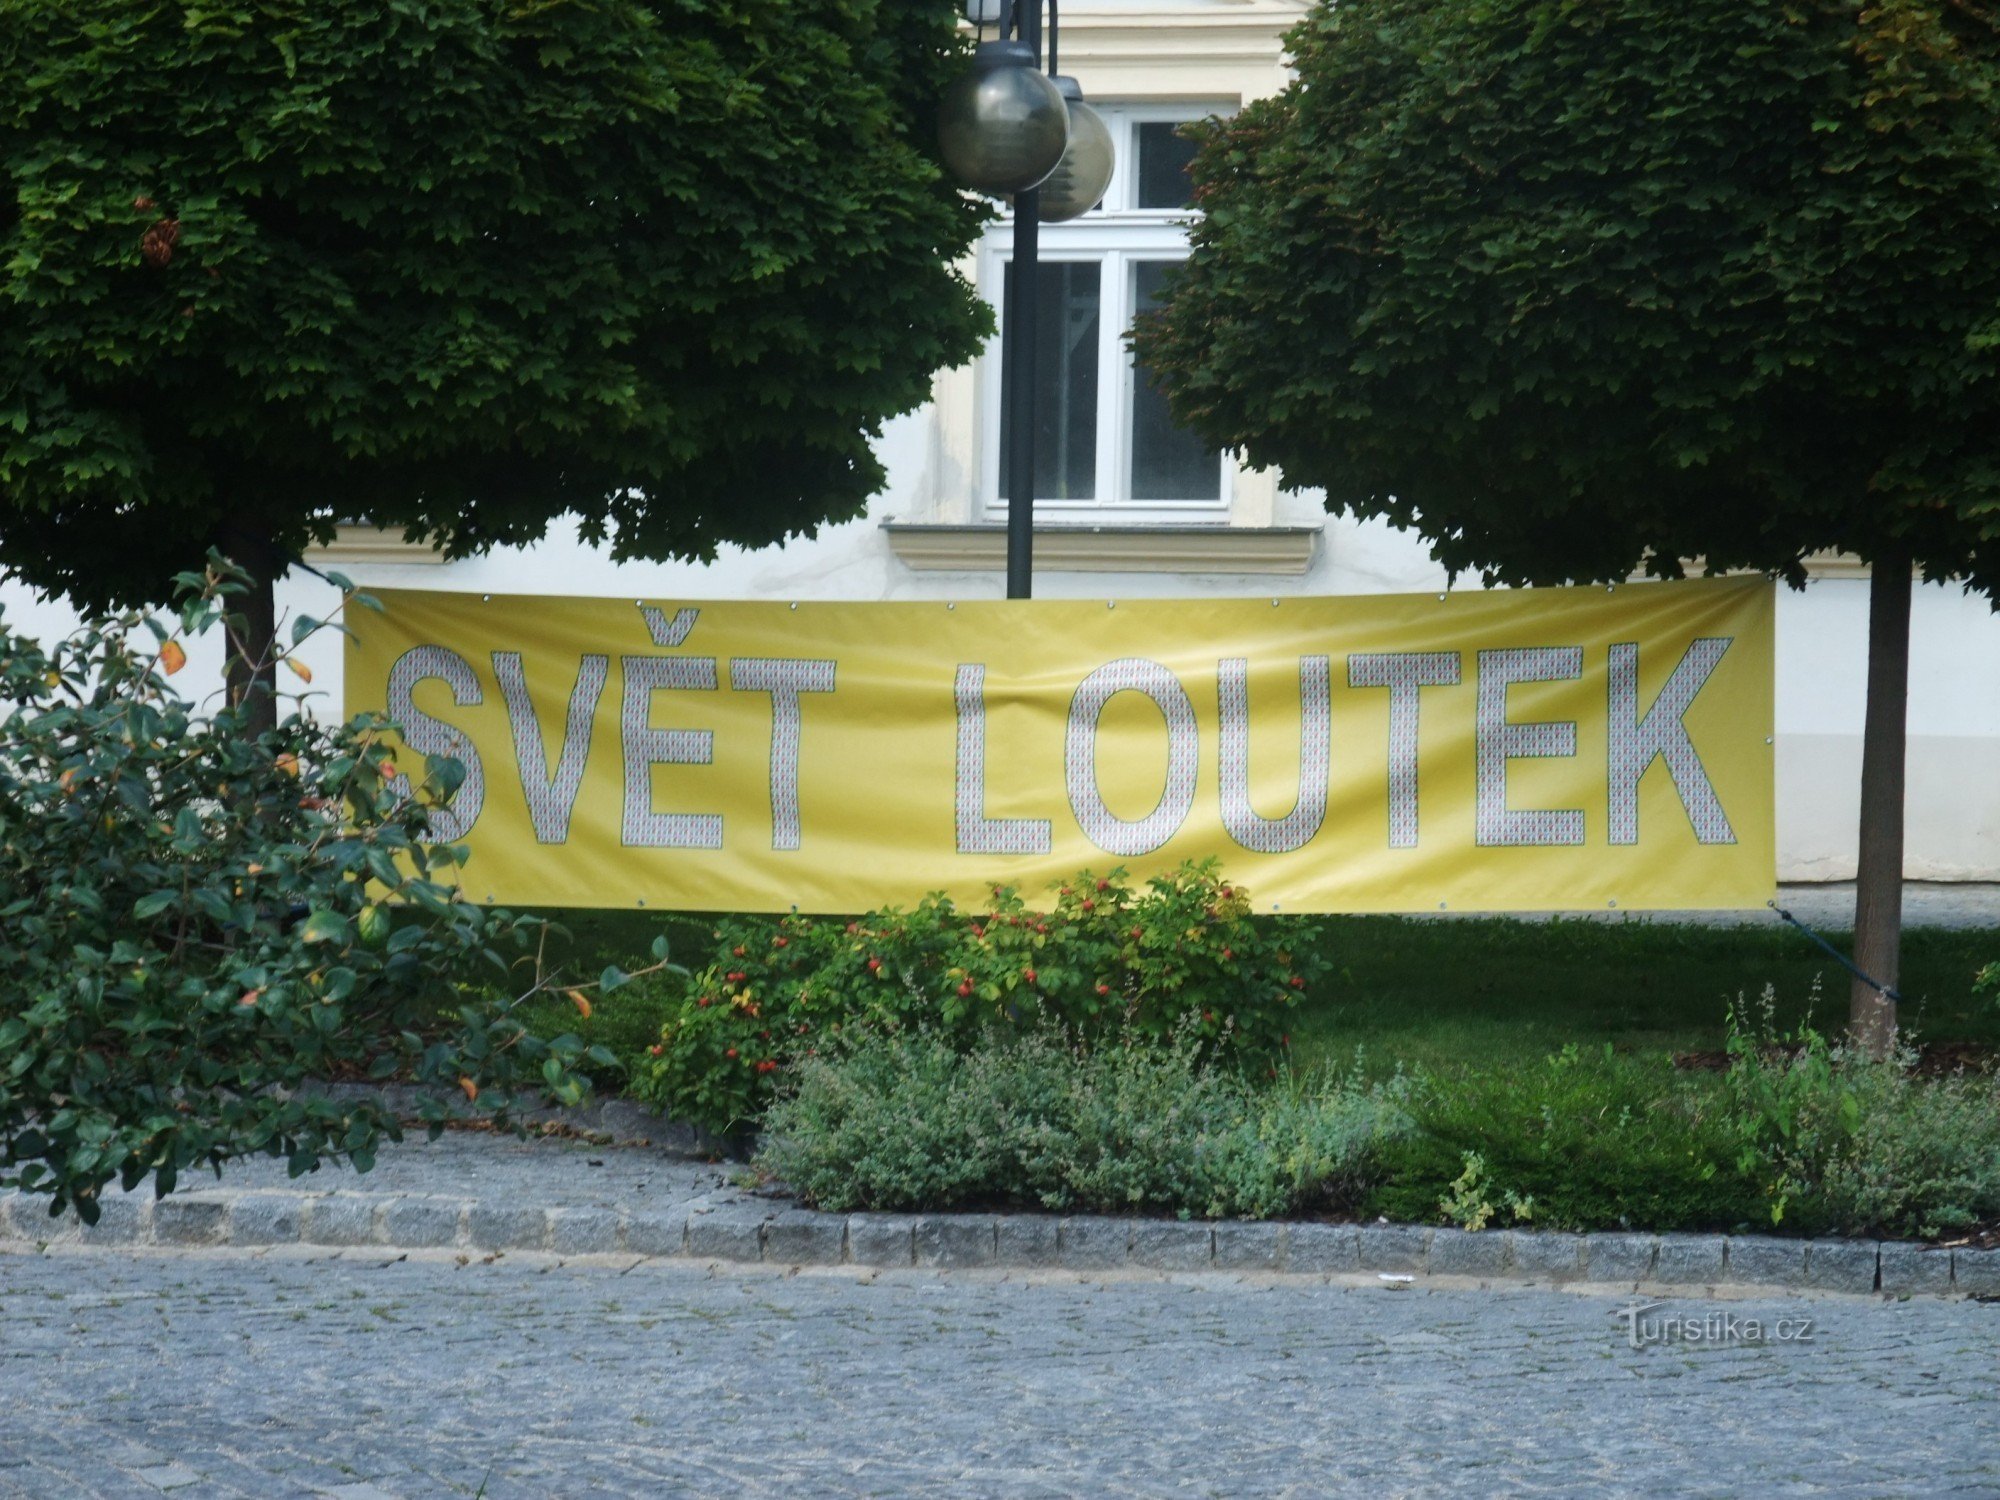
1007,128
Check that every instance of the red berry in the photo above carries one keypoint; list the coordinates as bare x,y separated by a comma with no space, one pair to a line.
966,988
738,951
1135,934
735,976
778,942
1090,906
1296,982
1029,975
874,966
730,1053
705,1001
1104,989
1104,885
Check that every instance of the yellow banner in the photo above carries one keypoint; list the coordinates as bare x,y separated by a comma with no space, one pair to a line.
1493,751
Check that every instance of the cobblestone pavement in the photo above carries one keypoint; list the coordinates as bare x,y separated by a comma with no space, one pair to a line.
287,1375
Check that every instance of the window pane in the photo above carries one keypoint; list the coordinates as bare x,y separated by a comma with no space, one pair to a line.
1066,312
1163,164
1167,462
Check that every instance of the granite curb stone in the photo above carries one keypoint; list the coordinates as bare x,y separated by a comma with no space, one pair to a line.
1170,1245
799,1237
1468,1252
1842,1265
1689,1260
748,1231
956,1241
1913,1268
1976,1272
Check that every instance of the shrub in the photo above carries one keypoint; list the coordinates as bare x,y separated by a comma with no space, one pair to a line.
1857,1145
1583,1140
1182,957
623,1023
912,1119
195,918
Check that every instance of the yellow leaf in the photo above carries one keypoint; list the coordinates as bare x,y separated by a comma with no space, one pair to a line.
67,781
304,672
288,763
471,1090
582,1005
172,657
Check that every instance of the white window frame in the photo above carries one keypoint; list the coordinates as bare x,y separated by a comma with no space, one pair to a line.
1114,237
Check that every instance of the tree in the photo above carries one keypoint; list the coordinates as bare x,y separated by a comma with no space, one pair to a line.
1579,288
459,266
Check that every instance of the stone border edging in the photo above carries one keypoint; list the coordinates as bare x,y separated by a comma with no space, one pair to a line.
740,1232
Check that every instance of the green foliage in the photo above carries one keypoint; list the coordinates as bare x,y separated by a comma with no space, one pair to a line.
1577,289
912,1119
1182,957
624,1024
1988,982
1860,1145
1583,1140
194,920
462,266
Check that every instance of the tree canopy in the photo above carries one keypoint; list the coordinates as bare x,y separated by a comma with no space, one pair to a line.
460,266
1578,286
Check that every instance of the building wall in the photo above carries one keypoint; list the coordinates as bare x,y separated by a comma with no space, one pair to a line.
1208,51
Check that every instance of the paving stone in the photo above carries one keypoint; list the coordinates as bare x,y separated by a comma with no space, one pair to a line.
265,1219
341,1219
1394,1247
1915,1268
1547,1255
1089,1242
1976,1272
1028,1240
189,1220
583,1231
656,1233
950,1241
881,1239
1619,1259
800,1237
501,1226
1172,1246
123,1219
1841,1265
1689,1260
169,1476
1241,1246
28,1220
10,1204
726,1234
1761,1260
1322,1249
422,1223
1464,1252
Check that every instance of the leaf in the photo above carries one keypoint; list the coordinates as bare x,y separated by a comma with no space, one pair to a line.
287,763
611,978
582,1005
172,657
150,906
303,672
471,1090
323,926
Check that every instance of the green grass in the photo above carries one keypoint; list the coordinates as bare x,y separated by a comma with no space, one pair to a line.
1495,991
1498,992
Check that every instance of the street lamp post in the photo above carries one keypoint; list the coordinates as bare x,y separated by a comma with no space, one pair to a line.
1006,128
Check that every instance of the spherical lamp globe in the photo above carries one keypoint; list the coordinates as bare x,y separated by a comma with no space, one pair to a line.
1002,127
1078,182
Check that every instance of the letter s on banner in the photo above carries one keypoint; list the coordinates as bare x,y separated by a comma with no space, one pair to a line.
428,736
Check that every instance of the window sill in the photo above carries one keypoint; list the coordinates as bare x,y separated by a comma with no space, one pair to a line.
1164,548
373,544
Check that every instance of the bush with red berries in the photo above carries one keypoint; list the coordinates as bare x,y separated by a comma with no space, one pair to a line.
1179,957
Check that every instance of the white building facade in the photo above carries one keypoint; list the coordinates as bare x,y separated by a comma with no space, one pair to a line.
1131,507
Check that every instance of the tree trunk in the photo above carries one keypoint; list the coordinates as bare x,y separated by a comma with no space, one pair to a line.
1878,903
252,669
